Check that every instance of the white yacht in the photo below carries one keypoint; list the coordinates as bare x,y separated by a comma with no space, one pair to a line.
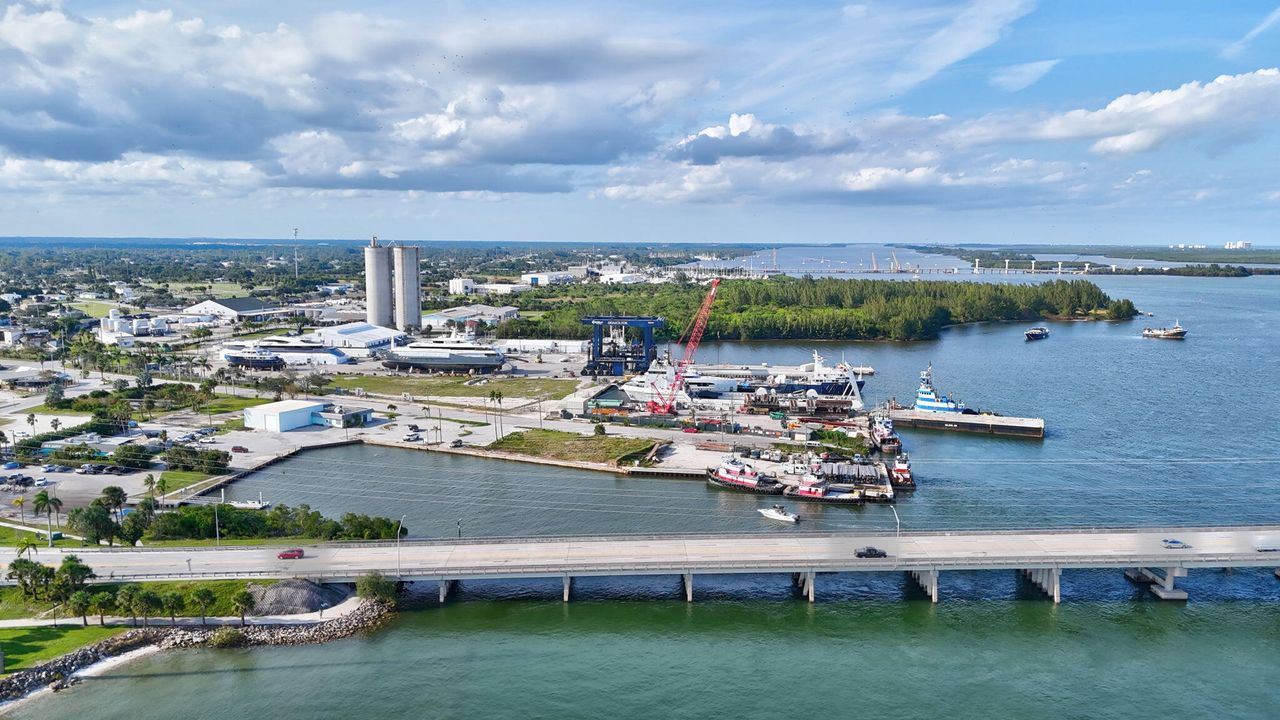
653,384
458,352
290,351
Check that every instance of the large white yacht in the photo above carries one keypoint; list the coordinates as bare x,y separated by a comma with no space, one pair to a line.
290,350
458,352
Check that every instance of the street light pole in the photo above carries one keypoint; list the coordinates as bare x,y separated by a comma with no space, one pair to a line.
897,532
398,527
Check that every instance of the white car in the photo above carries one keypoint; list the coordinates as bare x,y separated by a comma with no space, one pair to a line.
1172,544
40,482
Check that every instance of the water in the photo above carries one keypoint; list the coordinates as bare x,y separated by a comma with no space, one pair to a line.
1139,432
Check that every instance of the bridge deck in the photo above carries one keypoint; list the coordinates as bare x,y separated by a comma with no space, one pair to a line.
682,554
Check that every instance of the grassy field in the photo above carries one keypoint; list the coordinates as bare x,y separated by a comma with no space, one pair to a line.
274,332
175,479
572,446
246,542
43,409
551,389
94,309
220,290
9,536
14,606
25,647
228,403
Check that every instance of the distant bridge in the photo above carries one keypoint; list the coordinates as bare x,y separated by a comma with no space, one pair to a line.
1042,555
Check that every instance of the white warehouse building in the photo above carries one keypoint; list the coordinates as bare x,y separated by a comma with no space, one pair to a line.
289,415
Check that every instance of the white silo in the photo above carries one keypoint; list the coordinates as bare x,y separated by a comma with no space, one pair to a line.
408,309
377,284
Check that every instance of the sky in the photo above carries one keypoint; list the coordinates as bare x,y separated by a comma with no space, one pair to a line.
1146,121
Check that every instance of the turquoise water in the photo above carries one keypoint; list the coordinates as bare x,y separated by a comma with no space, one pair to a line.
1140,432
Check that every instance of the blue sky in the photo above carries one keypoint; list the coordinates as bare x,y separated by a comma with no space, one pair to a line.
984,120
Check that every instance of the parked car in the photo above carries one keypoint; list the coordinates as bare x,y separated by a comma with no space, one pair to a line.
413,428
870,552
239,449
290,554
455,444
690,429
40,482
412,437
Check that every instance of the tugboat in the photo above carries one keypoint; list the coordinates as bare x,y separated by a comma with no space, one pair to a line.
1037,333
779,513
884,436
929,400
737,475
900,476
1177,332
815,489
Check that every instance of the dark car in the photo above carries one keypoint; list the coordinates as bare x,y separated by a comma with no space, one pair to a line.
290,554
870,552
239,449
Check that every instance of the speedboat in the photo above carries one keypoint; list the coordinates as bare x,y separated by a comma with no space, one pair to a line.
1037,333
779,513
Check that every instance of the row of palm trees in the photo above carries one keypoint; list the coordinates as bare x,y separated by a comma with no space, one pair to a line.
137,601
41,504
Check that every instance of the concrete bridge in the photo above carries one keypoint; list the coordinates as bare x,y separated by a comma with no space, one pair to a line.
1041,555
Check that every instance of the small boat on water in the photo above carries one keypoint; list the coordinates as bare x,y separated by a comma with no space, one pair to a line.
1177,332
815,489
1037,333
735,474
779,513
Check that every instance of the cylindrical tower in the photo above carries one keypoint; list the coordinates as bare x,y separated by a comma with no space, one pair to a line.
377,284
408,310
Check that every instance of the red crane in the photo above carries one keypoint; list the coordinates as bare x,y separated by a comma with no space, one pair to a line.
666,398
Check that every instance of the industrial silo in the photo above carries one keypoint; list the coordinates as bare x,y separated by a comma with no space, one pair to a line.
408,310
377,284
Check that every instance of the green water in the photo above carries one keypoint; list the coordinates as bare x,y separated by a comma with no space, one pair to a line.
634,659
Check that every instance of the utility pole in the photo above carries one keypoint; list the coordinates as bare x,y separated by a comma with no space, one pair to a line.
295,253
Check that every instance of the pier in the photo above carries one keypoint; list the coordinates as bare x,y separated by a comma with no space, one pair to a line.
963,422
1043,556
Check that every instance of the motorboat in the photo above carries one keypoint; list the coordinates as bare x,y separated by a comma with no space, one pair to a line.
1037,333
1177,332
779,513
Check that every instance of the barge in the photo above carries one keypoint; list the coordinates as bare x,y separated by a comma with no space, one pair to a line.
964,422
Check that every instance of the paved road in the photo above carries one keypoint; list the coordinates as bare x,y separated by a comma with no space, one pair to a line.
624,555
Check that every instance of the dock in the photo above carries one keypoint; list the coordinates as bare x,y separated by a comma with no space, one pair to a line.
962,422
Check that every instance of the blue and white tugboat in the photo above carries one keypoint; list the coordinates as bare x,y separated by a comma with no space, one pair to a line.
930,400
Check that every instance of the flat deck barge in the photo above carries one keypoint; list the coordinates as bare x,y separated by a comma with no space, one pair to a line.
963,422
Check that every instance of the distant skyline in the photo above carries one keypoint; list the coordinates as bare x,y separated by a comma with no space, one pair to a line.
1002,121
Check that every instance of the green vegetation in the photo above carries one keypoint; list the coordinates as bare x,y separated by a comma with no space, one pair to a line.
11,537
815,308
196,521
94,309
422,387
227,637
834,437
27,647
376,586
228,403
174,479
561,445
274,332
468,423
218,593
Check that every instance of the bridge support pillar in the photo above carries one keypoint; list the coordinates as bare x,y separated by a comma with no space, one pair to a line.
687,580
1161,585
568,585
928,581
445,587
810,581
1047,579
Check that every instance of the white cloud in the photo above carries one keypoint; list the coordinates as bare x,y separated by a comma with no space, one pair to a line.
976,27
1238,47
1019,77
1226,109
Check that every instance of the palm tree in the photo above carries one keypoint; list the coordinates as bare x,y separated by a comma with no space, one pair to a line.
124,600
47,505
101,604
26,545
55,424
20,503
144,603
79,604
162,486
173,604
150,483
242,602
114,497
203,598
31,420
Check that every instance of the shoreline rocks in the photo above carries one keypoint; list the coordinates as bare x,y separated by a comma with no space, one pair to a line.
58,673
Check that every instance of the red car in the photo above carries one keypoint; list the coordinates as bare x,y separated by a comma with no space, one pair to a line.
290,554
690,429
